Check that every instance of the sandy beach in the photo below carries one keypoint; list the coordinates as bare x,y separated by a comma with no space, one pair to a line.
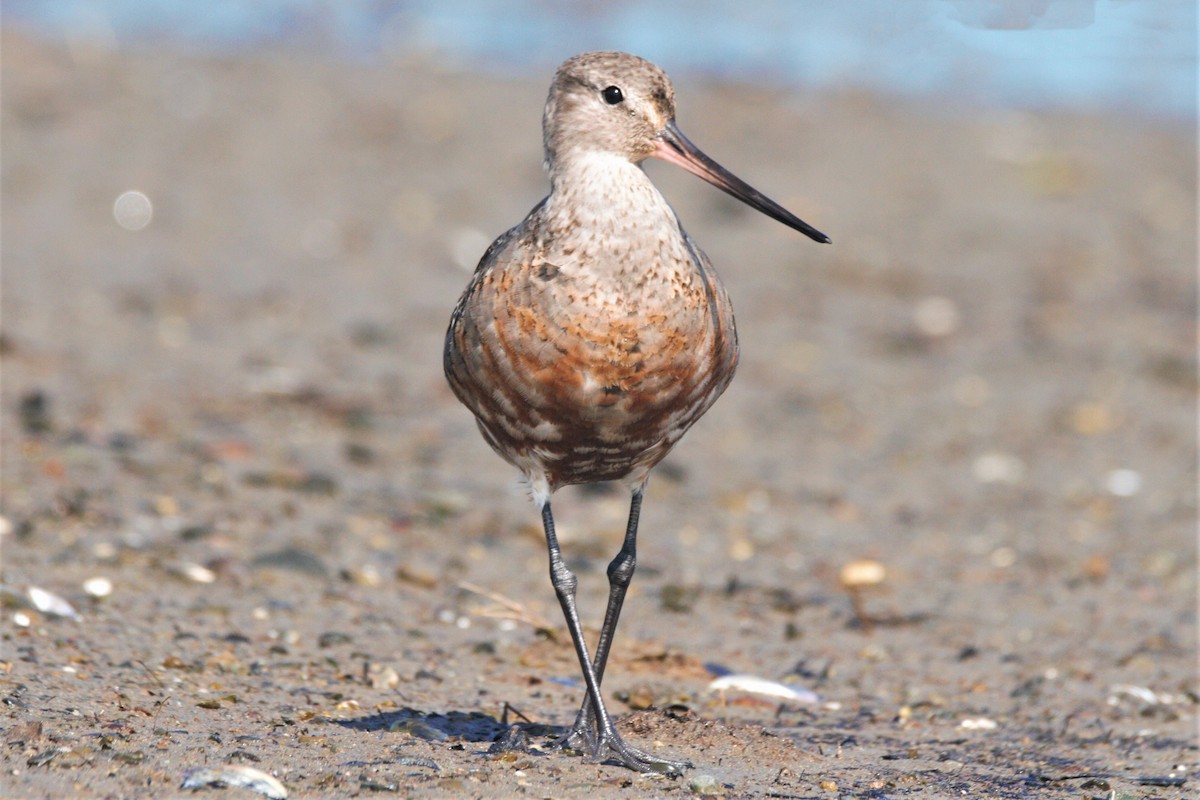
278,542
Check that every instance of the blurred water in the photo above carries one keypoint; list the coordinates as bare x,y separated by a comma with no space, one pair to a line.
1133,55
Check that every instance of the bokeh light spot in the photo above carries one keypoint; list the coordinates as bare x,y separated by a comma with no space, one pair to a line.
133,210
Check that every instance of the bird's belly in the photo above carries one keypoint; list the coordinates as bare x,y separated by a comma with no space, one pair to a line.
578,375
595,402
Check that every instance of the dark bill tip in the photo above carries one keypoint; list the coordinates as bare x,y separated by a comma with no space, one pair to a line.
674,147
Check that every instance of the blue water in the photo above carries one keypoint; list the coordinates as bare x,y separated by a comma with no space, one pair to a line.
1138,56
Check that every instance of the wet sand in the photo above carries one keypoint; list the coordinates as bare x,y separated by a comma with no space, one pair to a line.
236,415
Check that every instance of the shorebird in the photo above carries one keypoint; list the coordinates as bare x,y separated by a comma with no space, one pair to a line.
595,333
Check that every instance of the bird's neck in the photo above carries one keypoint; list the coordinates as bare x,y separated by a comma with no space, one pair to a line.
605,193
613,238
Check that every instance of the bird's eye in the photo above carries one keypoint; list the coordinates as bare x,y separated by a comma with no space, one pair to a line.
613,95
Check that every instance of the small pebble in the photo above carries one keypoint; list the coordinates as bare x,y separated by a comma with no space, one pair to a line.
1091,419
418,728
383,677
678,599
98,587
50,603
294,559
1143,694
741,549
1123,482
131,757
166,506
1003,557
133,210
705,785
862,572
367,575
332,639
235,775
998,468
979,724
34,413
195,572
104,551
753,684
936,316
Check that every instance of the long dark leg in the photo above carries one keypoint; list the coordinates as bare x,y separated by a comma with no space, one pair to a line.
594,727
620,574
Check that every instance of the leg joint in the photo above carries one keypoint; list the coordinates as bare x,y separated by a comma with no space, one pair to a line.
620,570
563,580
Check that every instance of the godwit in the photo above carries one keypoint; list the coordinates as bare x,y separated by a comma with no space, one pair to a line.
595,333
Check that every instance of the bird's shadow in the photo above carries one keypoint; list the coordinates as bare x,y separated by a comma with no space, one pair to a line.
455,728
434,726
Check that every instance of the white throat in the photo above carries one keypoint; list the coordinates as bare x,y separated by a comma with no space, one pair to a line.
601,190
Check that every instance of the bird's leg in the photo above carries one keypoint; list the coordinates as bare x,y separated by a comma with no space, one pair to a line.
594,730
620,574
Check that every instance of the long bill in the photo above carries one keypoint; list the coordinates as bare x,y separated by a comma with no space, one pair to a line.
672,146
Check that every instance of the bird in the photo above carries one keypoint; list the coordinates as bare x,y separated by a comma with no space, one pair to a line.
595,333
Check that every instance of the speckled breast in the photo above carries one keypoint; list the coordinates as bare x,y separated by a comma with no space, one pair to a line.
590,378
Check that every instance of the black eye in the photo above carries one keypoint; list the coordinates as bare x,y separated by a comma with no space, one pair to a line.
612,95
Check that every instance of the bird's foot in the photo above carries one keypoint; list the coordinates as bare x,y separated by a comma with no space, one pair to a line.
614,748
599,747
